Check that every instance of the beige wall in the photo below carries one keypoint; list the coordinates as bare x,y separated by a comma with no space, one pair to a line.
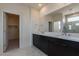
35,17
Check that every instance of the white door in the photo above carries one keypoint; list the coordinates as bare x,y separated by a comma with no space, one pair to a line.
5,41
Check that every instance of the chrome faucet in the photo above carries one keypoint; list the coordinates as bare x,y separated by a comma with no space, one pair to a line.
69,35
64,33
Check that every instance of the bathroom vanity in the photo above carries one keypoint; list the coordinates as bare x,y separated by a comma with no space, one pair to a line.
55,46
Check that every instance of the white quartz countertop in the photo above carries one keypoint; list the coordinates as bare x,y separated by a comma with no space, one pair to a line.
61,36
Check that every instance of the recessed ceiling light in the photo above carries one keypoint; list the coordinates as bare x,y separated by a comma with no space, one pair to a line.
39,5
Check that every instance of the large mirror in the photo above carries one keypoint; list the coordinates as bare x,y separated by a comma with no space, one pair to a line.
55,23
72,23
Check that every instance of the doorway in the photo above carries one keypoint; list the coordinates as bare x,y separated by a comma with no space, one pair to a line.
50,26
12,33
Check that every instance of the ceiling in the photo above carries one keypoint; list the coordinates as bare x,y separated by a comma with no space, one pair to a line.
68,8
36,5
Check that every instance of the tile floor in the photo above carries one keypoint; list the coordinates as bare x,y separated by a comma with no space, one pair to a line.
33,51
13,50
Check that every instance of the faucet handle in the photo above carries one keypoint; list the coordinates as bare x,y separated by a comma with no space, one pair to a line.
68,34
62,33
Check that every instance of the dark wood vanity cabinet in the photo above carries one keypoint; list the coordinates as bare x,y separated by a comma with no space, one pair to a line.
55,46
36,40
41,43
61,50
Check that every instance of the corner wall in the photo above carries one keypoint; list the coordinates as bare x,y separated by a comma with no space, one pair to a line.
23,12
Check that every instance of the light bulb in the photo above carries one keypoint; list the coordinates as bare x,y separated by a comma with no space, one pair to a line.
39,5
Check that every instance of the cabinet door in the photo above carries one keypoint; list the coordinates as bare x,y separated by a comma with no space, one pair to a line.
70,51
52,50
44,44
61,50
35,39
55,48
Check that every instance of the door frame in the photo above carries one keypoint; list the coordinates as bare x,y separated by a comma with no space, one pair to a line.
4,12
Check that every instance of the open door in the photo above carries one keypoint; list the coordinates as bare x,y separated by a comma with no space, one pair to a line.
10,31
5,41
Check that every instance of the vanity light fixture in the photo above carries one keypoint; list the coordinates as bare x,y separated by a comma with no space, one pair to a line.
39,5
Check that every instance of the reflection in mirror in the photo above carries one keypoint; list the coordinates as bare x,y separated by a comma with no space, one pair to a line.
50,26
54,25
72,23
57,26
